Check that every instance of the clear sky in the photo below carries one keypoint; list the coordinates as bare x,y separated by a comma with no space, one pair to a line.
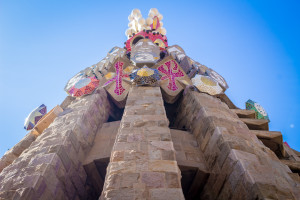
254,45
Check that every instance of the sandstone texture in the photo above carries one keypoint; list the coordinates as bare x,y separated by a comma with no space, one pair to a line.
142,163
241,167
211,152
51,167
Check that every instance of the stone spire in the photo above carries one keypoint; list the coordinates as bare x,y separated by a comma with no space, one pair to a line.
149,122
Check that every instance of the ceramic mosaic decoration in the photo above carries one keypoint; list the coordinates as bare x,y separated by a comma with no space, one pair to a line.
145,76
84,86
260,112
33,118
207,85
172,74
146,48
218,78
73,80
158,126
151,28
118,83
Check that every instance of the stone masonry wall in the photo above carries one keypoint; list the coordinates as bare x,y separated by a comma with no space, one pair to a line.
142,163
16,151
51,167
241,166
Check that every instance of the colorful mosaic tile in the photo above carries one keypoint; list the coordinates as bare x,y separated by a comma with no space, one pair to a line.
119,83
33,118
156,38
260,112
84,86
145,76
207,85
173,79
118,78
74,80
218,78
171,71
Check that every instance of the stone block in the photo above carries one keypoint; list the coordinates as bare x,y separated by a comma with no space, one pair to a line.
180,156
135,138
169,193
256,124
225,192
84,137
6,160
131,155
23,144
9,194
124,194
78,183
172,180
154,154
26,194
163,145
129,179
122,146
112,181
167,155
142,165
163,166
153,179
122,166
60,151
68,100
117,156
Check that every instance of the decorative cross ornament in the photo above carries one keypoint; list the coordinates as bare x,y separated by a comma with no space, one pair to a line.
171,73
118,83
172,78
119,89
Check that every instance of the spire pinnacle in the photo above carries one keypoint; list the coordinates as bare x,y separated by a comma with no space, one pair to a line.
137,23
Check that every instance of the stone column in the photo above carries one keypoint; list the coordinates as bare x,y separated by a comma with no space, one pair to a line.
143,164
241,166
51,167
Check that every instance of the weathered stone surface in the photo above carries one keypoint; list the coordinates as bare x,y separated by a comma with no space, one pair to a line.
68,100
163,166
273,140
256,124
244,113
143,155
46,120
238,159
51,167
162,194
153,179
187,150
290,154
172,180
225,99
293,165
7,159
296,152
16,151
94,184
103,142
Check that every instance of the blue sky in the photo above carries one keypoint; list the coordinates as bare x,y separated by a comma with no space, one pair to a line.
254,45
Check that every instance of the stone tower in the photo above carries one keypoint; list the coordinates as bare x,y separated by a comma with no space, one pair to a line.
157,126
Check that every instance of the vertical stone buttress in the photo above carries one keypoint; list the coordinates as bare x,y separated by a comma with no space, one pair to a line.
51,167
143,164
241,166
